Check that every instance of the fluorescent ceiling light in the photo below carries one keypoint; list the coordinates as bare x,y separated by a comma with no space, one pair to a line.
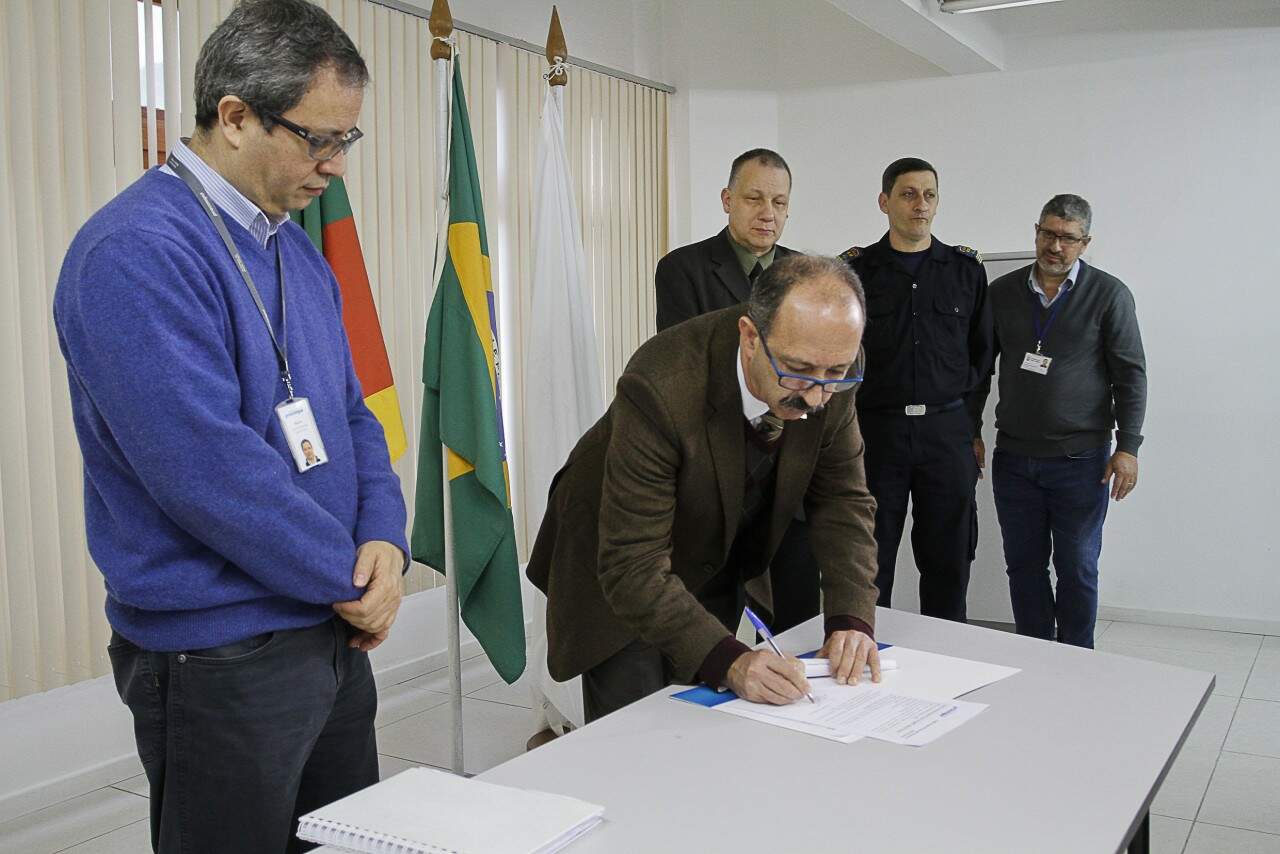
959,7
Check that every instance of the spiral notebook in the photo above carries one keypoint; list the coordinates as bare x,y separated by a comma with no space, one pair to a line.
423,811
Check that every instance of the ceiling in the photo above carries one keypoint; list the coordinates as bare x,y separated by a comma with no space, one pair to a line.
778,46
1132,16
1082,30
781,45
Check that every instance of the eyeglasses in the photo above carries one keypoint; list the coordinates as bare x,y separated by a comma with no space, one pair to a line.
1067,240
800,382
319,146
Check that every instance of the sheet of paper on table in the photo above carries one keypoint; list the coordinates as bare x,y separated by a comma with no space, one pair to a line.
846,713
930,675
913,704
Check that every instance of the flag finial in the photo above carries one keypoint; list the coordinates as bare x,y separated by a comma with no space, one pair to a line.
441,26
557,51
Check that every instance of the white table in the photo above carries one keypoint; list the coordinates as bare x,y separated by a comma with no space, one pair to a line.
1066,759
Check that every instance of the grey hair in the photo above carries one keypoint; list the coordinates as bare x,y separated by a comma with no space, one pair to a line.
773,285
266,53
1068,206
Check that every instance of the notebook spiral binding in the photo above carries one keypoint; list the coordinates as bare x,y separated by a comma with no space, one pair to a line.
329,832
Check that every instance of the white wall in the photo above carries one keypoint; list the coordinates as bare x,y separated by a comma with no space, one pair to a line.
719,125
1175,152
732,63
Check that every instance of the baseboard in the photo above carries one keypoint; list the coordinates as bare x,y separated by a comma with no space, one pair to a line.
1213,622
72,740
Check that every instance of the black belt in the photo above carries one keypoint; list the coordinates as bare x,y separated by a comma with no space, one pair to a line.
913,409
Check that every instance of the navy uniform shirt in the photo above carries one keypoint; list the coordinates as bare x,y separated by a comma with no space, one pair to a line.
929,333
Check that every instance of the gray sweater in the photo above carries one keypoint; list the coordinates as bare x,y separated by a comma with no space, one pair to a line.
1098,377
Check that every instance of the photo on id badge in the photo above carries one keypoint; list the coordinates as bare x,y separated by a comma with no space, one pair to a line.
300,431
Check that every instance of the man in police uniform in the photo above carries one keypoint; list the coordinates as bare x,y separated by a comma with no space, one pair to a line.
928,344
718,273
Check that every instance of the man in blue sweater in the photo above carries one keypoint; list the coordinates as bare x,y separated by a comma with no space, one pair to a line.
1071,368
245,584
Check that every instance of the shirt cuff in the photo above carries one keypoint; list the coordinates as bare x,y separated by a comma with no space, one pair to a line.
717,663
846,623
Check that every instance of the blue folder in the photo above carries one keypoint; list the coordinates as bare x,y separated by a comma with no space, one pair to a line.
709,697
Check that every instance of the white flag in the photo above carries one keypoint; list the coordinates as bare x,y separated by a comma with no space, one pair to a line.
563,397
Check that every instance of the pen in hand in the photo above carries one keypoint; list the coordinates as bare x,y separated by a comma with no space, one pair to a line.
768,636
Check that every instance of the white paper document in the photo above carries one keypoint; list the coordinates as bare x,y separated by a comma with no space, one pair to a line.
939,677
914,702
815,668
846,713
924,674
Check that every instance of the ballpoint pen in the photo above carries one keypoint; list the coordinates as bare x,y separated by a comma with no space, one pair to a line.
768,636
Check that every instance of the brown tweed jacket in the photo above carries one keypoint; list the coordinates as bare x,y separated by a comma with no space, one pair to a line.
645,509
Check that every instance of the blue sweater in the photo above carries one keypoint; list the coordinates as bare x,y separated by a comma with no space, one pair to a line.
202,526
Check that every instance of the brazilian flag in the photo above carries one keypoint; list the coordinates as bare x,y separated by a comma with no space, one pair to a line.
462,410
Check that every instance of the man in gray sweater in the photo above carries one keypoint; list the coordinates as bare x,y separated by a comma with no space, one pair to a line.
1071,368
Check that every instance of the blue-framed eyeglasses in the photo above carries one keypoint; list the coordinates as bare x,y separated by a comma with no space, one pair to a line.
800,382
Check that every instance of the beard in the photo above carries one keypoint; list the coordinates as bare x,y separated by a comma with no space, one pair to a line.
1053,268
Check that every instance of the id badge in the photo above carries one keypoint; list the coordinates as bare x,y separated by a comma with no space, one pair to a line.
300,431
1036,363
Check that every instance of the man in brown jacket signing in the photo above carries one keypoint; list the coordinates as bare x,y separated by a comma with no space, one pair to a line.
672,505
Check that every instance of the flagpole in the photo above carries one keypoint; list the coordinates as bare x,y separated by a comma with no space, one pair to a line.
441,26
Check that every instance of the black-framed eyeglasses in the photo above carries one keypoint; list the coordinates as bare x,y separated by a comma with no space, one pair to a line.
800,382
1067,240
319,146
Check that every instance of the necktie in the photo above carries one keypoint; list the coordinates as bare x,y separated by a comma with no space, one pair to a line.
755,273
770,427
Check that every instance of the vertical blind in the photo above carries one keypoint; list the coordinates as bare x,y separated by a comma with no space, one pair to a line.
71,141
70,91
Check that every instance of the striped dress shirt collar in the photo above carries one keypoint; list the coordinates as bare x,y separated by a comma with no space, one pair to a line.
229,200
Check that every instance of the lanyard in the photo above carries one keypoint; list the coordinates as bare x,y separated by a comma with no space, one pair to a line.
1042,329
281,345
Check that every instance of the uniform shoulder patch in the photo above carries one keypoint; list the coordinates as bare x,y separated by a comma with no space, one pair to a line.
970,252
851,253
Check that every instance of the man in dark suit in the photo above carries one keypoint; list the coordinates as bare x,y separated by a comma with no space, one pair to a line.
674,502
717,273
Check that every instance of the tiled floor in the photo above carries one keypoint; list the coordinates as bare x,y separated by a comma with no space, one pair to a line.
1221,797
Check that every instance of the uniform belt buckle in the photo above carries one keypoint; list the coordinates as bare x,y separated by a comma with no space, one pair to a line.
916,409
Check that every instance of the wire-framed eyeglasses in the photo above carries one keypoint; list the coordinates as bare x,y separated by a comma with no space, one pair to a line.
1069,241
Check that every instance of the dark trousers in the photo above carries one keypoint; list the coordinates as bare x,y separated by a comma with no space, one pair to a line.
639,669
929,459
794,579
239,740
1052,505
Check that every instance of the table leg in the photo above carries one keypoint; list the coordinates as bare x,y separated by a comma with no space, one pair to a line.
1141,841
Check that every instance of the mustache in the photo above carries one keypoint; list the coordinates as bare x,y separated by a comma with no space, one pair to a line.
797,403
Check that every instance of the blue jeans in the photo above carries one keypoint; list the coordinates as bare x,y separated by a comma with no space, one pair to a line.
1052,505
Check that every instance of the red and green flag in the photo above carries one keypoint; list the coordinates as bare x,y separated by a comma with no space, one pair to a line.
462,411
332,228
